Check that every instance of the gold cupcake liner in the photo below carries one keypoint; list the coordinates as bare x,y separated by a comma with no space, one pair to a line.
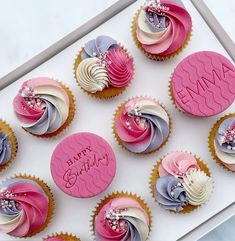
118,112
72,109
65,236
113,195
51,203
155,175
154,56
5,128
211,138
106,93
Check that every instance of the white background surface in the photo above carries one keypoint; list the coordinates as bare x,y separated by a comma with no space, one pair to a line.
28,27
151,78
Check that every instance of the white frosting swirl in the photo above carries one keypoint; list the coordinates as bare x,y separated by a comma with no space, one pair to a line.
198,186
91,75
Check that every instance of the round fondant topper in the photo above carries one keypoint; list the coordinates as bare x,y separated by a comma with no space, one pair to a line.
203,84
83,165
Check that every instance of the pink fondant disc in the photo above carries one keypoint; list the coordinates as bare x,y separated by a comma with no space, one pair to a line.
203,84
83,165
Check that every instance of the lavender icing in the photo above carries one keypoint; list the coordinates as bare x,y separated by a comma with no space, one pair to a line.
5,148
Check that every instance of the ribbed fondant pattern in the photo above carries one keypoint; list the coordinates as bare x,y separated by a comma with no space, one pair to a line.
83,165
203,84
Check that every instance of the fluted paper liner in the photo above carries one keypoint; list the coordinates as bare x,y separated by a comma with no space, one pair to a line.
155,175
69,119
211,139
149,55
107,92
118,112
113,195
51,203
65,236
6,129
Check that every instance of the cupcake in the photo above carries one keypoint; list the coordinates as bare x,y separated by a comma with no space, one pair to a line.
141,125
61,237
121,216
222,141
26,206
203,84
181,182
103,68
44,107
83,165
161,29
8,145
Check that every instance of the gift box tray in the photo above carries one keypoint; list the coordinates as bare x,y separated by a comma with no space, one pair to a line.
151,79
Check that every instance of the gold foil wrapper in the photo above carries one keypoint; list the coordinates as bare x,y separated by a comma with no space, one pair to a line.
64,236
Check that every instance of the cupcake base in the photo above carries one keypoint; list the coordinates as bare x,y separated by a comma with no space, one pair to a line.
5,128
211,145
154,56
117,115
155,175
51,204
106,92
64,236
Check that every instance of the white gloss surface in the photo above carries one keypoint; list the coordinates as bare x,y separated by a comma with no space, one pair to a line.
151,78
28,27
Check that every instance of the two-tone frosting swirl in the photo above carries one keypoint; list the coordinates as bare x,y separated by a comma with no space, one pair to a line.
224,142
143,125
23,207
181,182
104,63
163,26
5,148
41,106
120,219
169,192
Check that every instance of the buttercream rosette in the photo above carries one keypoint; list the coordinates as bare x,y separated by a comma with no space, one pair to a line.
181,182
26,206
103,68
121,216
61,237
222,141
8,145
161,28
44,106
141,125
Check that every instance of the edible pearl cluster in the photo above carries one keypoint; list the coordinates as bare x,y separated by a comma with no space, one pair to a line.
31,98
102,60
155,6
7,203
8,194
179,184
229,137
115,219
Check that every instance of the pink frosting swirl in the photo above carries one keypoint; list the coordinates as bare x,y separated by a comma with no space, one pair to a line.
23,207
120,68
168,26
54,239
177,164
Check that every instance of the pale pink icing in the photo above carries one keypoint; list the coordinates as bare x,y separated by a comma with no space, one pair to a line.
103,228
179,28
120,68
177,164
34,208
